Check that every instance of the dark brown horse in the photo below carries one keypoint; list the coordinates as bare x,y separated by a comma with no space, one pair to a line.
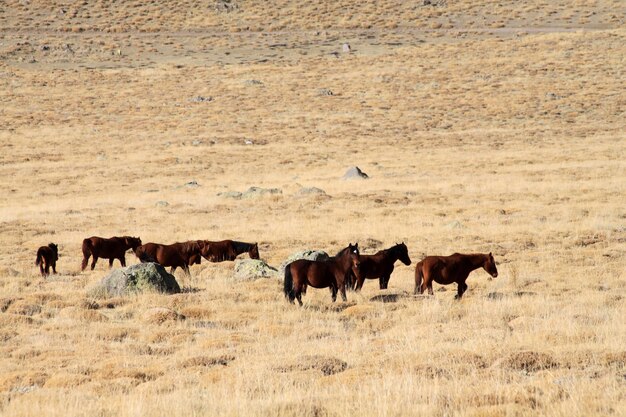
320,274
227,250
47,257
380,265
111,249
445,270
180,254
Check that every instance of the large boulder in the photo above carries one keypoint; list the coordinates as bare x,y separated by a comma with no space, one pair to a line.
147,276
311,255
250,269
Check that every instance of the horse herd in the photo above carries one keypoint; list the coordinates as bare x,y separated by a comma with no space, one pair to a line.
347,269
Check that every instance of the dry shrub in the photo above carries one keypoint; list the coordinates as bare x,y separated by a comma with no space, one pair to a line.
616,359
207,361
79,314
24,307
66,380
12,381
326,364
195,312
528,361
160,315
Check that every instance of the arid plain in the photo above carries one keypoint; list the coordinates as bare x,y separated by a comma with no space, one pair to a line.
496,127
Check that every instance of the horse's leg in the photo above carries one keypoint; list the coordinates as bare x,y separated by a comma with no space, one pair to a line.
462,287
123,261
93,262
47,268
342,288
333,291
172,269
54,267
111,262
85,262
43,274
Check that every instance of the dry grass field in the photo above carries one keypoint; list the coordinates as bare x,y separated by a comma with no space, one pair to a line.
483,127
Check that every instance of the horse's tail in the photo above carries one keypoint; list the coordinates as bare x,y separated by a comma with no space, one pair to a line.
39,259
87,252
288,284
419,277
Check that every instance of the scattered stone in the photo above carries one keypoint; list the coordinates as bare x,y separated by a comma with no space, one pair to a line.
388,298
192,184
346,48
45,48
162,203
326,364
230,194
251,269
311,255
253,82
310,191
136,278
324,92
196,142
355,173
201,99
552,96
248,142
254,192
455,225
159,315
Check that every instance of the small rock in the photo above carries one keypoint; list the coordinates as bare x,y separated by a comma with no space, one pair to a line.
230,194
201,99
162,203
324,92
253,82
455,225
355,173
192,184
196,142
248,142
346,48
254,192
310,191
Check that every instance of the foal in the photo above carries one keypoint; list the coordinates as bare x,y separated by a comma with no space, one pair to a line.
47,257
445,270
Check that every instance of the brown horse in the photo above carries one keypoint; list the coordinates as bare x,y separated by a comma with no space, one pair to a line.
320,274
180,254
111,249
227,250
380,265
445,270
47,257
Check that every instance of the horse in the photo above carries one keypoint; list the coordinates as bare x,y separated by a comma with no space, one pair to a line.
111,249
379,265
320,274
47,257
445,270
227,250
180,254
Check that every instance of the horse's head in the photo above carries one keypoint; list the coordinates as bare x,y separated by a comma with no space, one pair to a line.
490,266
254,252
353,251
132,242
55,249
403,253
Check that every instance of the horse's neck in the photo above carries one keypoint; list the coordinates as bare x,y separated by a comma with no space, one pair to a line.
342,262
241,247
475,261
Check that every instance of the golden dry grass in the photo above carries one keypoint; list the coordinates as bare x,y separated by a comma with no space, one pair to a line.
506,138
